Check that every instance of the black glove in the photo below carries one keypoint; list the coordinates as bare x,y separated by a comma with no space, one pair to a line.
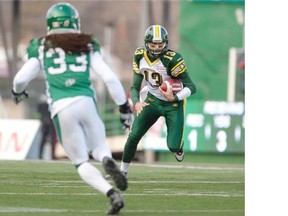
18,97
126,116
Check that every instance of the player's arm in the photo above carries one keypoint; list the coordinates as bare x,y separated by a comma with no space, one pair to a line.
137,76
187,82
28,72
135,93
112,82
114,86
102,69
110,79
136,87
177,69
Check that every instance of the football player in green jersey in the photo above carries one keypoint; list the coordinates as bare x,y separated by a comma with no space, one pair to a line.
66,55
153,65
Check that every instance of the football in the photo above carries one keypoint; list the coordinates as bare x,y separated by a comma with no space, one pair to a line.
176,84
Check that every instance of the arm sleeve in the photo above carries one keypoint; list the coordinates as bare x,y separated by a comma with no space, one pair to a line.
178,70
135,88
184,93
187,82
27,73
110,79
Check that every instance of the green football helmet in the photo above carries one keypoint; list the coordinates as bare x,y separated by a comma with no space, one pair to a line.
62,18
156,34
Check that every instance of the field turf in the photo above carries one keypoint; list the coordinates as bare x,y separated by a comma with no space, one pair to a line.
50,188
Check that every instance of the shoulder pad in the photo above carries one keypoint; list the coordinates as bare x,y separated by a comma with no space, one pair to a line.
173,54
32,49
176,62
139,51
138,55
95,43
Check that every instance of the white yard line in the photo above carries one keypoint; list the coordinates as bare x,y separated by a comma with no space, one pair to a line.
21,209
81,185
146,193
186,182
198,167
4,209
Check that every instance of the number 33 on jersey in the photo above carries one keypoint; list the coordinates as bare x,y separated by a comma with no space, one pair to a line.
68,72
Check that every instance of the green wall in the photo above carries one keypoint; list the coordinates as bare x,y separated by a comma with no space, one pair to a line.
207,30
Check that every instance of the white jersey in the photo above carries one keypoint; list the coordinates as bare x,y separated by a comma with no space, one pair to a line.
145,67
156,71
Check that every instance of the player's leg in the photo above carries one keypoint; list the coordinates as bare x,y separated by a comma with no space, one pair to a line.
96,142
92,176
140,126
94,132
73,139
174,117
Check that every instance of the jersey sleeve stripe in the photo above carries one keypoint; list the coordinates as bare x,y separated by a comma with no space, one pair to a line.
178,69
136,67
177,74
177,65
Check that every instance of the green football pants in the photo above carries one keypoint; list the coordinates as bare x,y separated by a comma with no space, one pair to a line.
173,112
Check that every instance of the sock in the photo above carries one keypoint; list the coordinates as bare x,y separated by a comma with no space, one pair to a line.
110,192
124,166
93,177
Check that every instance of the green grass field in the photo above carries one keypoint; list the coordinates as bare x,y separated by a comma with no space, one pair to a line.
54,188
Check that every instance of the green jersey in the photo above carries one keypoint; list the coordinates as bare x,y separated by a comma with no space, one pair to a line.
66,73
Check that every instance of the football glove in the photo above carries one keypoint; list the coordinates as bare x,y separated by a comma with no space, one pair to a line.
18,97
126,116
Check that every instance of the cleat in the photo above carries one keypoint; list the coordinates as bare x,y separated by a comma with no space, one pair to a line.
116,203
179,155
125,174
108,177
115,174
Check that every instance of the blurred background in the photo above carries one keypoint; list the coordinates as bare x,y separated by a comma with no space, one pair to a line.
209,34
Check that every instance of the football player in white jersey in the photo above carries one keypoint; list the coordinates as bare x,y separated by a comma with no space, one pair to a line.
154,64
65,56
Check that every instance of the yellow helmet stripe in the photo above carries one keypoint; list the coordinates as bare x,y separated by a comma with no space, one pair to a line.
157,33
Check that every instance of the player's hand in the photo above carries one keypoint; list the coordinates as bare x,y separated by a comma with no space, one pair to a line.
126,116
18,97
167,94
139,107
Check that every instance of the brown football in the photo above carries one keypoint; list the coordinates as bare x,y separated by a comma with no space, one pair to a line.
176,84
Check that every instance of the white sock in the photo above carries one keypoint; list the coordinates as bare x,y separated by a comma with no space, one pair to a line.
93,177
124,166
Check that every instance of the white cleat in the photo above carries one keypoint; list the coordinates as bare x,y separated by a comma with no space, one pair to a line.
179,155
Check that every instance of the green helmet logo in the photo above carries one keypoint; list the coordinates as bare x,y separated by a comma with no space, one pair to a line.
62,18
156,34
